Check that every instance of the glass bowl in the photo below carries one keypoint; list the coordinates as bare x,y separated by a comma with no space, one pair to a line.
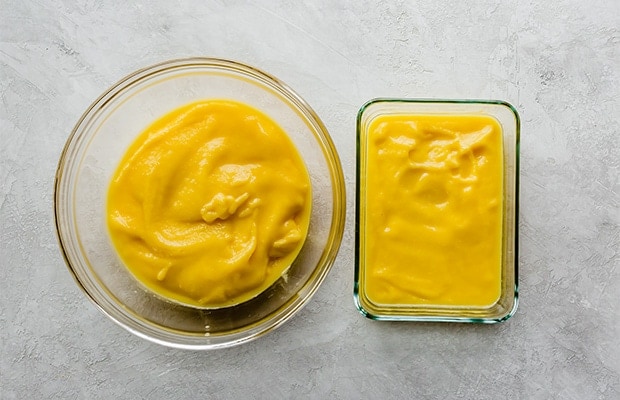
96,146
503,270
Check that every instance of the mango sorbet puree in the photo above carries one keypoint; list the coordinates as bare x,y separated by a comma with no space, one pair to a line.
434,210
210,205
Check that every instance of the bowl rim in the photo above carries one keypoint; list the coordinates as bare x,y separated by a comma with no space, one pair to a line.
338,190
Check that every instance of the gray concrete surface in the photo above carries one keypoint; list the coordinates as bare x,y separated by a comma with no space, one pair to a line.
556,61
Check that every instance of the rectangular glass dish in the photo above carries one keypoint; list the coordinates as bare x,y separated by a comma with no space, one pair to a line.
436,210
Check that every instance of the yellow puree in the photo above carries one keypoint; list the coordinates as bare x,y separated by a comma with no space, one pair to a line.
210,205
434,210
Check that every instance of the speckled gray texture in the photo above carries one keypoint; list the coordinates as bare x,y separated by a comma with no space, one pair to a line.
556,61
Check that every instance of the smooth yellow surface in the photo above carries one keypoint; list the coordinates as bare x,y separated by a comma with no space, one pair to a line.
210,205
434,210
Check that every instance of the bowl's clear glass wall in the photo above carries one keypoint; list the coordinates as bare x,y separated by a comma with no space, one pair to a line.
96,148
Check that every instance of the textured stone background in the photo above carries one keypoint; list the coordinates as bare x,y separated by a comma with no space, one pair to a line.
556,61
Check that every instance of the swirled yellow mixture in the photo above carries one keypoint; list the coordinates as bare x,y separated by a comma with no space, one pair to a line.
434,210
210,205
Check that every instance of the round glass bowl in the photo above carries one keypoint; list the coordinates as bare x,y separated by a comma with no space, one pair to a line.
97,145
